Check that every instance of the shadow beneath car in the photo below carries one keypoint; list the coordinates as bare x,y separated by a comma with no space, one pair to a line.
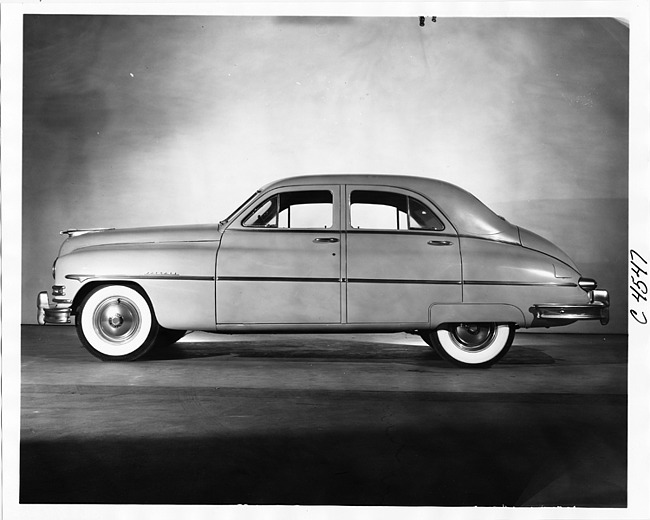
329,349
526,356
313,349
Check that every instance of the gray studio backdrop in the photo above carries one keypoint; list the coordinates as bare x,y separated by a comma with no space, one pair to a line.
142,120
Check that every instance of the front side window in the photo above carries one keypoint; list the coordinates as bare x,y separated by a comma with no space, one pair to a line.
391,211
294,210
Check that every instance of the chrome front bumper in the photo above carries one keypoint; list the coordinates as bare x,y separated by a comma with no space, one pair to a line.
58,313
596,309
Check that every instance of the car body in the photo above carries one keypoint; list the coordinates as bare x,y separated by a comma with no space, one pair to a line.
318,254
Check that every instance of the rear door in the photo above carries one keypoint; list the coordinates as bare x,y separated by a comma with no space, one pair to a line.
402,256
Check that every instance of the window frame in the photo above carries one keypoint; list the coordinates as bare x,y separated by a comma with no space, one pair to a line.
394,191
266,196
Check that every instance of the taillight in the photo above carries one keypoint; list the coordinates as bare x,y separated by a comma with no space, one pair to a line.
587,284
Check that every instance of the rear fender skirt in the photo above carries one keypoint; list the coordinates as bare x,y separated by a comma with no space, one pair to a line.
475,313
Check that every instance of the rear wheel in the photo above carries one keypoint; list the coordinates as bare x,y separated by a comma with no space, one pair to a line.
474,345
116,323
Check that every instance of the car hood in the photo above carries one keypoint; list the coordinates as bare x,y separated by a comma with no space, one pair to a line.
534,241
143,235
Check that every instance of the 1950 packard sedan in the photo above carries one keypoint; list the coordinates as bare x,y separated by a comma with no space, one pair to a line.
317,254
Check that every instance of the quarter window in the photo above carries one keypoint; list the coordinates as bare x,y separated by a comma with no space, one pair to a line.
294,210
392,211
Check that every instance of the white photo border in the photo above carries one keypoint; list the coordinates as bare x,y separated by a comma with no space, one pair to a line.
634,12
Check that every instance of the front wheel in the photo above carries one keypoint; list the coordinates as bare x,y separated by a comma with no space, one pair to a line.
474,345
116,323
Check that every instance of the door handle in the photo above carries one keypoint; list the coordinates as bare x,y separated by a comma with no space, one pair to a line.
439,243
325,240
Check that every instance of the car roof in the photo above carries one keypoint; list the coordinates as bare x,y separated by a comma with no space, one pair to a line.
413,182
468,214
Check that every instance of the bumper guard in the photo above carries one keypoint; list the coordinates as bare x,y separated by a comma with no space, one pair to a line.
46,313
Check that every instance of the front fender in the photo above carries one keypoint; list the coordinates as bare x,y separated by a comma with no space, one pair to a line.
178,278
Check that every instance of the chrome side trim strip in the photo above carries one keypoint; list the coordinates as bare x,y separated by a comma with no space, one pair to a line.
351,280
273,279
84,277
401,281
520,284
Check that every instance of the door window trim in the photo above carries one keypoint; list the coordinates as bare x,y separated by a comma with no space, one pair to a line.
334,191
447,229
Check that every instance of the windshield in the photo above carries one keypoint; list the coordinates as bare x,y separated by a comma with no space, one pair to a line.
239,207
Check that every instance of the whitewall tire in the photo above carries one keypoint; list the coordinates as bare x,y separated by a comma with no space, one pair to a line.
475,345
115,322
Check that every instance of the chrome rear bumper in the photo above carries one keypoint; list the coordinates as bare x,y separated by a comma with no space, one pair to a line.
58,313
596,309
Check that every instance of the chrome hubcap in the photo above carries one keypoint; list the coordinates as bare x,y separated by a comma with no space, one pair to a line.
116,320
473,337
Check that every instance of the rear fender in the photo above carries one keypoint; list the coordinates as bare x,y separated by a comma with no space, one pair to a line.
475,313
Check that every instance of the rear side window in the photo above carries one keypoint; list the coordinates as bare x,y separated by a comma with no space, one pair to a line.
391,211
294,210
421,217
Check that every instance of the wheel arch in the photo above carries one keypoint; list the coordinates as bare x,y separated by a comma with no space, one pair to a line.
165,298
89,287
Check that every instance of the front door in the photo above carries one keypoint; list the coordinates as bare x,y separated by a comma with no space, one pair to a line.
280,263
402,256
